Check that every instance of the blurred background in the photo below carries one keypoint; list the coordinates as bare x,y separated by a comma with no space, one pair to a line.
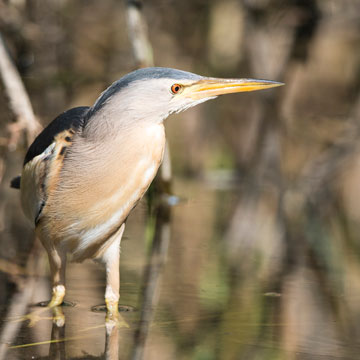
262,249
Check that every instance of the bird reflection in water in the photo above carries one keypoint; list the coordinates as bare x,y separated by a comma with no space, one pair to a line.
58,339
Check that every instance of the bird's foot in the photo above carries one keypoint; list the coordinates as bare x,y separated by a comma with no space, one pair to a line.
33,317
37,315
112,307
112,320
54,305
113,313
58,294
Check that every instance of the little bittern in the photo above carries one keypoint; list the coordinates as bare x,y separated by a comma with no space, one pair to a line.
90,166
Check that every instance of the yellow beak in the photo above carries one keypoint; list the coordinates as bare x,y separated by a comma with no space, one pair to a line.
209,87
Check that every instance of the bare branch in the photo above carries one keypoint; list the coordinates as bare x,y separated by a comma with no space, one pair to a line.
19,101
143,54
138,34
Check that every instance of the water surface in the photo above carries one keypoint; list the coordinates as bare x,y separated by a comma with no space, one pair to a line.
215,279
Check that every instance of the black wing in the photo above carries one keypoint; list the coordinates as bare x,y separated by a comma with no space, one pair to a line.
70,119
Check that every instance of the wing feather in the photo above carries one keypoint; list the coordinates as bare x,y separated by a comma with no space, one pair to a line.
43,160
70,119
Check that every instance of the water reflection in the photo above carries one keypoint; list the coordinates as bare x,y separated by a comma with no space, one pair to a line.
207,287
57,346
58,340
152,275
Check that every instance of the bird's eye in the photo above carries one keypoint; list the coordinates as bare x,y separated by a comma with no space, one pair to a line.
176,88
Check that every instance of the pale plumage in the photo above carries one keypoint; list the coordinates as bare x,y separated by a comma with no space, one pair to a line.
87,170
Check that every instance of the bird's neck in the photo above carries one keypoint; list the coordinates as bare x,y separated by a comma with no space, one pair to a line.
114,138
117,122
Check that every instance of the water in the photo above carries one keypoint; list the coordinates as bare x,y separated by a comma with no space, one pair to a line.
199,285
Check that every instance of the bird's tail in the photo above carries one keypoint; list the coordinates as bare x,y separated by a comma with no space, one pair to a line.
15,182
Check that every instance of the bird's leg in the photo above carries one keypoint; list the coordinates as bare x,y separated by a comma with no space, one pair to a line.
57,260
111,257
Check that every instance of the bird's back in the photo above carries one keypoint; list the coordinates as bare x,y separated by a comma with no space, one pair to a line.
72,119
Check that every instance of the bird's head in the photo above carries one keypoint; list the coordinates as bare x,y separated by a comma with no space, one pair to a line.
155,93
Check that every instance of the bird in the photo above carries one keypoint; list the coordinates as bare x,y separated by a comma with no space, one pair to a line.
87,170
